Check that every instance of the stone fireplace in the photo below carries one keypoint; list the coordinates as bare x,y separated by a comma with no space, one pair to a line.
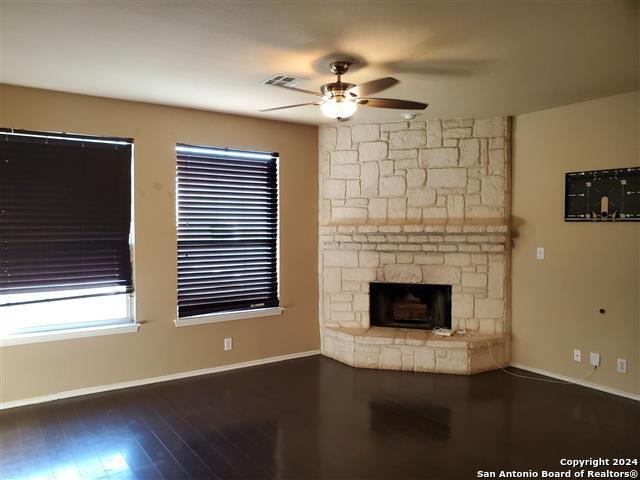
424,205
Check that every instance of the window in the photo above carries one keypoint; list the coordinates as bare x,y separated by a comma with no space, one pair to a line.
65,218
227,217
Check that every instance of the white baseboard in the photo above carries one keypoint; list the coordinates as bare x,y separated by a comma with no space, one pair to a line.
583,383
146,381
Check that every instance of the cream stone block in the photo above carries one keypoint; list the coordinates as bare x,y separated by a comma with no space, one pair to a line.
340,258
358,274
392,186
496,279
496,162
403,273
457,133
344,156
441,274
341,297
345,171
343,317
393,126
462,305
334,189
489,308
386,168
353,188
368,259
489,127
486,326
457,259
447,178
361,302
365,133
434,133
469,152
484,152
407,139
397,208
341,307
434,258
370,179
484,212
367,356
372,151
439,157
493,190
421,197
424,360
327,138
416,177
391,358
405,258
331,279
452,365
405,164
348,215
403,154
378,209
455,206
473,186
434,214
474,280
344,138
497,143
414,214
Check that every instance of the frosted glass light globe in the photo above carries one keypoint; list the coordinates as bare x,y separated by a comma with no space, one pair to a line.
338,107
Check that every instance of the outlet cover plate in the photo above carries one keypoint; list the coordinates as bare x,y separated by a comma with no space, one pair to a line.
594,359
621,365
577,355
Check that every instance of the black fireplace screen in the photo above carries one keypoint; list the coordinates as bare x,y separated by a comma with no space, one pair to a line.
409,305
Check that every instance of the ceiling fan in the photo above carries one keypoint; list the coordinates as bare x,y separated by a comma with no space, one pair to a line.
340,100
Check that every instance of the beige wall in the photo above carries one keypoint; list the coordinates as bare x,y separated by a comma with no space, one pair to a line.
587,266
160,348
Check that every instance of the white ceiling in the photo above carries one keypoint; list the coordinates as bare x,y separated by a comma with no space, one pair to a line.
465,58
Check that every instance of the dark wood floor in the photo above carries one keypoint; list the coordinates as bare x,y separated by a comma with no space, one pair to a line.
315,418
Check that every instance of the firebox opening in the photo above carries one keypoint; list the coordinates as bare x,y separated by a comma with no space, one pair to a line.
407,305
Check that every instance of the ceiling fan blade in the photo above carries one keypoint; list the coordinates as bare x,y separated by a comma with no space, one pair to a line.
288,106
392,103
374,86
301,90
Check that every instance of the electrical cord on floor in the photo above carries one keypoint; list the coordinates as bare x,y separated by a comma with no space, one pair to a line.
562,382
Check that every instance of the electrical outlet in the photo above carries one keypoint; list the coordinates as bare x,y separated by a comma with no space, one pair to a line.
622,365
594,359
540,253
228,343
577,355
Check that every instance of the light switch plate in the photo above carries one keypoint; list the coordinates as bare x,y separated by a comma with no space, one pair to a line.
228,343
577,355
540,253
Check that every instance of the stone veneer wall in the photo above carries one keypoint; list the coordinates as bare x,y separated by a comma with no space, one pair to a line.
416,202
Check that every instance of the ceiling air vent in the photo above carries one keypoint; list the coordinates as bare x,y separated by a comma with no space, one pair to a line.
284,81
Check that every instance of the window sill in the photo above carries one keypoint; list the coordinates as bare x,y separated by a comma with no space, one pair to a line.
227,316
22,339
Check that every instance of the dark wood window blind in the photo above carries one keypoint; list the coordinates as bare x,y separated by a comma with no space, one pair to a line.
65,214
227,230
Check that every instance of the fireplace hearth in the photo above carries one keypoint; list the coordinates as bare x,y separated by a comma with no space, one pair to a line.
406,305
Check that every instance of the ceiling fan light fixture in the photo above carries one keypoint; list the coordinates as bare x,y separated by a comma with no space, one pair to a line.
338,107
